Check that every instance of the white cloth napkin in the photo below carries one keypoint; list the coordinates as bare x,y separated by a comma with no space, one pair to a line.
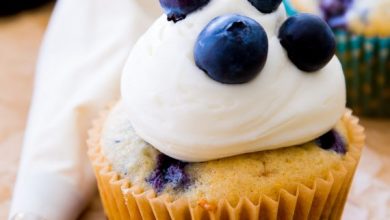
78,73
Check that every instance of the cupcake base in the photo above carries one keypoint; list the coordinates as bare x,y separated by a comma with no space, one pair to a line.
324,199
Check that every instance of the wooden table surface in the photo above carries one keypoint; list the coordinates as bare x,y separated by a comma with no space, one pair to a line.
20,38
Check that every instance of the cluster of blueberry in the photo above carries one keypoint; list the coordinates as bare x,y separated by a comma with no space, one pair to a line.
233,49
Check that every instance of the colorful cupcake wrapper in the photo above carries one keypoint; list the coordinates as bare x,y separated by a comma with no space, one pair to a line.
324,199
366,64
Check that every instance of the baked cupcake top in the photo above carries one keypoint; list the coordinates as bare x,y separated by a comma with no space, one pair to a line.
226,77
248,175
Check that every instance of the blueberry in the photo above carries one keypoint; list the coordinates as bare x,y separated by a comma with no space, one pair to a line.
231,49
157,180
168,171
266,6
176,176
308,40
178,9
332,140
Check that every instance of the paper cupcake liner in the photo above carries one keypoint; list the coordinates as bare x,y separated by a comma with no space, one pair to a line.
366,64
324,199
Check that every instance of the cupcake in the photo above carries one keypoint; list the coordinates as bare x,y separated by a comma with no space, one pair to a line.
228,110
362,30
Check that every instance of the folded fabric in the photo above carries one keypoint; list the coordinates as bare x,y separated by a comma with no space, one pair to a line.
78,73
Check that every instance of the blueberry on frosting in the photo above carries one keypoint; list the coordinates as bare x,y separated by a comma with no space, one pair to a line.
177,10
308,40
168,171
231,49
332,140
266,6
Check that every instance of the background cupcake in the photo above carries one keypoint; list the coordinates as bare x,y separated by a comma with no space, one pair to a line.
362,30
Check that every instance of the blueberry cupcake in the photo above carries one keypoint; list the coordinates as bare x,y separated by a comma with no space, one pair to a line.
362,30
228,110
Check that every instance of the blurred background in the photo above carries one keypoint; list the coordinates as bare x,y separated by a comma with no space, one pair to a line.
22,27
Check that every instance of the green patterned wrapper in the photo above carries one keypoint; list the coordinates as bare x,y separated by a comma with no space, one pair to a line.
366,65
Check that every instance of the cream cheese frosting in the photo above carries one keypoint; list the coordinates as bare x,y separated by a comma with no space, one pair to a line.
177,108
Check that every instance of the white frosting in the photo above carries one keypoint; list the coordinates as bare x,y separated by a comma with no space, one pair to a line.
177,108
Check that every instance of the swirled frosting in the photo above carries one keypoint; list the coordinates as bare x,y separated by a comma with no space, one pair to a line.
177,108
